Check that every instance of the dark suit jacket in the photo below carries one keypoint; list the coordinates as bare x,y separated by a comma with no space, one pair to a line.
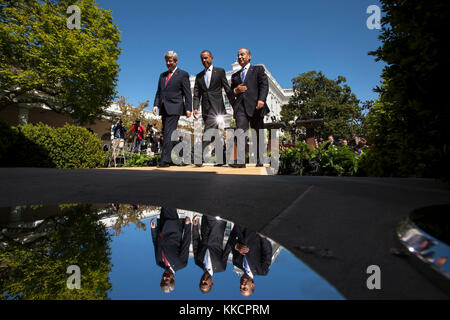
177,95
212,239
257,85
259,256
211,98
174,237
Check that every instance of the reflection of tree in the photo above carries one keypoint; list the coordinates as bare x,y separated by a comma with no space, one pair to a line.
127,213
37,269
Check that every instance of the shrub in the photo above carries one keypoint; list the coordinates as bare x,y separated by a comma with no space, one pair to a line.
324,160
296,161
338,161
141,160
77,148
43,146
16,150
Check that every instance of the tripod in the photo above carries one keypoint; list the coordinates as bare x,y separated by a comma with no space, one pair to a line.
118,151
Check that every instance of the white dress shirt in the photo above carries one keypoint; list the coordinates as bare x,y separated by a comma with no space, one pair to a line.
247,269
207,263
208,73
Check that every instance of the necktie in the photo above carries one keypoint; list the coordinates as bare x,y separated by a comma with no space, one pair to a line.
166,262
168,78
207,78
243,72
207,263
247,268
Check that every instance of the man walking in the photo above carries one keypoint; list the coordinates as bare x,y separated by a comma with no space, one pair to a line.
173,99
171,239
252,253
208,92
210,254
251,87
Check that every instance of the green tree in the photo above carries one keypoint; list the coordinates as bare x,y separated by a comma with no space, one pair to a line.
315,97
37,268
129,213
72,71
408,126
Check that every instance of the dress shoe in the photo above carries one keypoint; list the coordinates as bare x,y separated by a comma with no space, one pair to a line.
236,165
199,165
218,165
163,165
259,164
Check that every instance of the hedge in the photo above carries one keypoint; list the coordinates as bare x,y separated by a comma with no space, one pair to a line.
40,145
325,160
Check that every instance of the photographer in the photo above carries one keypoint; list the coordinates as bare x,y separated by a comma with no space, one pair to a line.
139,132
118,133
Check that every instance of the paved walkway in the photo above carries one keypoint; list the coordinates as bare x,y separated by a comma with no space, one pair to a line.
352,220
250,169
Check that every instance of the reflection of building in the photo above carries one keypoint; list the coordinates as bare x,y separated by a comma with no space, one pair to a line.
276,98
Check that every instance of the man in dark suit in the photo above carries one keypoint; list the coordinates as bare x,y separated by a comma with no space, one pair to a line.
209,251
171,239
252,253
173,99
208,92
250,87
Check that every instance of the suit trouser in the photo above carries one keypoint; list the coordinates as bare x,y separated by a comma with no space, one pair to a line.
213,231
210,122
243,120
243,235
168,213
169,125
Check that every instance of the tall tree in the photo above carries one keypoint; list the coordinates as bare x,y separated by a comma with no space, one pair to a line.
42,60
316,96
409,124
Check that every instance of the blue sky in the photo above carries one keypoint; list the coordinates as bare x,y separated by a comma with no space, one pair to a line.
288,36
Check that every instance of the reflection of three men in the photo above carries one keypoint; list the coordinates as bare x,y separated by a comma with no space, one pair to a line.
171,236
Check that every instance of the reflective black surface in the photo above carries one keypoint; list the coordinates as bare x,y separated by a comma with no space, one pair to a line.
426,235
119,256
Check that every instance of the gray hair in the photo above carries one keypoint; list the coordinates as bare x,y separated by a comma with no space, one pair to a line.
171,54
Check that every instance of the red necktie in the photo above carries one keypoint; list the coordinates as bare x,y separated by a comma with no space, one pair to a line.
166,262
168,78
